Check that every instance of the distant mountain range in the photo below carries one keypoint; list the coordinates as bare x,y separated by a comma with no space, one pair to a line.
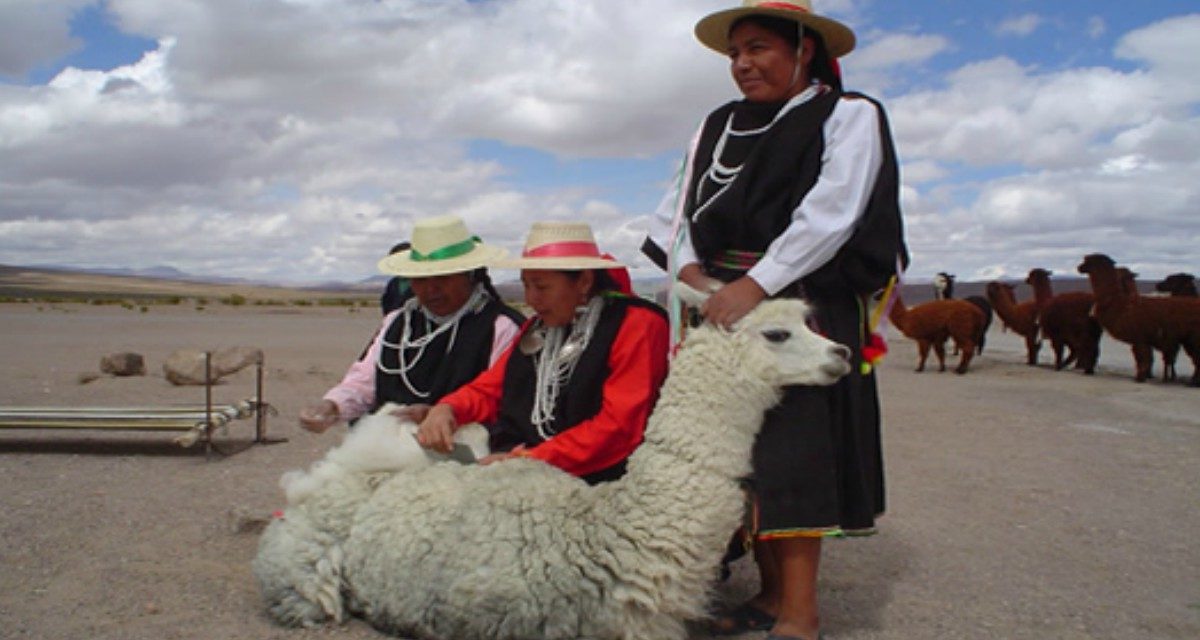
165,272
913,291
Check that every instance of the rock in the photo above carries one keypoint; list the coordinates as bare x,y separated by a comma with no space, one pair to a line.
123,364
233,359
186,366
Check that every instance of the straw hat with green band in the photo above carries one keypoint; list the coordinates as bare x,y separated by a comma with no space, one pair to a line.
441,246
713,30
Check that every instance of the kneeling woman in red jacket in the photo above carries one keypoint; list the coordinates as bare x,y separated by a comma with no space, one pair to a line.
579,382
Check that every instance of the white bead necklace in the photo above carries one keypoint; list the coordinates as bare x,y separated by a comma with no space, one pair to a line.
723,175
412,310
556,360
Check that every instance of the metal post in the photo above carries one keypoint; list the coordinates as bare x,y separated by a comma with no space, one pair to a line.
208,422
260,419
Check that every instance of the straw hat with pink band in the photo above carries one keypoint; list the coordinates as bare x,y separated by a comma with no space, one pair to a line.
567,246
713,30
561,246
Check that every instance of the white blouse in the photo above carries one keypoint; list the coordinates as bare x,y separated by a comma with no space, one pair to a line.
822,222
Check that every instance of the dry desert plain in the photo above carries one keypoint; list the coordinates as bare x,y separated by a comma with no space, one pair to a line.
1024,503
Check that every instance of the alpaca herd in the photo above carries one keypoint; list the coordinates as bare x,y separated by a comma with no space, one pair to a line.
521,549
1073,322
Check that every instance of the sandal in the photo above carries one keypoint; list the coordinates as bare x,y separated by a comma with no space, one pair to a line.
746,617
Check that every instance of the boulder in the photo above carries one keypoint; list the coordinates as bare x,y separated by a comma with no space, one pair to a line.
123,364
186,366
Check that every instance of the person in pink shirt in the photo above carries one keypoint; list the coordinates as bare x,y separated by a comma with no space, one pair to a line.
454,327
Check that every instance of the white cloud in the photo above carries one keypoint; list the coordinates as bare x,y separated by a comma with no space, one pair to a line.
1066,163
299,140
1096,27
1019,26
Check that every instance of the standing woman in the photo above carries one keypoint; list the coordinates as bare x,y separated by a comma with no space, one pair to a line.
452,328
788,193
578,386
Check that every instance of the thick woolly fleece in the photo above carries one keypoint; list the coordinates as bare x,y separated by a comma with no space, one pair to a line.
299,559
522,550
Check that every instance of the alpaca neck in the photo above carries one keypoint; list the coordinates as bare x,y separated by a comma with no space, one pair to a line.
1042,293
697,448
1107,289
1005,305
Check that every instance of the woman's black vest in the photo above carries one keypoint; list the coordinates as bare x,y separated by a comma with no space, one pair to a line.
780,167
579,400
439,372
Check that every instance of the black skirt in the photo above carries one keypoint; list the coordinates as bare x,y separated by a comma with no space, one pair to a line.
818,463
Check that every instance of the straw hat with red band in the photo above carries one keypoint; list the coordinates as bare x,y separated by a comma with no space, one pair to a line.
713,30
565,246
441,246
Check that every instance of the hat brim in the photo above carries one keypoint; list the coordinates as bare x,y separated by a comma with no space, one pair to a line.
402,264
558,264
713,30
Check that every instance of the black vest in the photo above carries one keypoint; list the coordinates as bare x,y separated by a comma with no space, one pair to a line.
778,172
439,372
579,399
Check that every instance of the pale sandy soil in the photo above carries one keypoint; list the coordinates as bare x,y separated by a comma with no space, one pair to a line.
1024,503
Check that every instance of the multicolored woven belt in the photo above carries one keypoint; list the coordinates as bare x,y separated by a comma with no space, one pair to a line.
736,260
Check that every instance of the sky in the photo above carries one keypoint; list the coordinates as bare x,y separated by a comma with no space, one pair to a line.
295,141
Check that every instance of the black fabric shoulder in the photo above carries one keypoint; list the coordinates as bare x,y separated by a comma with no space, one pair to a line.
869,258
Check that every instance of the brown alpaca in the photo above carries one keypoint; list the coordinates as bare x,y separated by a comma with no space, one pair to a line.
1021,318
943,289
1146,323
1178,284
932,323
1066,320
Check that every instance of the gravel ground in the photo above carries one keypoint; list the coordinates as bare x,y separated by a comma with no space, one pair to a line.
1024,503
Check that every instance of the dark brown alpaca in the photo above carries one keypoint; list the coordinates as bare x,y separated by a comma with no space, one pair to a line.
1178,284
932,323
1066,320
1021,318
1146,323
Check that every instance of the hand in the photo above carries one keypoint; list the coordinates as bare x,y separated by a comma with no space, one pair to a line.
319,417
693,276
412,412
437,429
733,301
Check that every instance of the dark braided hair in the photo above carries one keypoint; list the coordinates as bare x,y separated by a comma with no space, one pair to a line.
601,280
481,276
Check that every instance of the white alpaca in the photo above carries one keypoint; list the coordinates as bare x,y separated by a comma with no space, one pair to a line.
520,549
299,559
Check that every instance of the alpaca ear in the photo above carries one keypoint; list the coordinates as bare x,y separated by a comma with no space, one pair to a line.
688,295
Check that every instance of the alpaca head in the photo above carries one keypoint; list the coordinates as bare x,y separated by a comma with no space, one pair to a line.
775,344
1036,275
997,290
1178,284
1095,262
